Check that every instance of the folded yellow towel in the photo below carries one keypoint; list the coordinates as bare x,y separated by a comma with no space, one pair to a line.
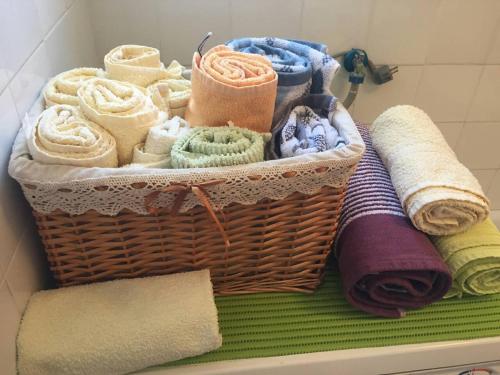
439,194
136,64
473,258
63,87
61,135
232,86
119,326
121,108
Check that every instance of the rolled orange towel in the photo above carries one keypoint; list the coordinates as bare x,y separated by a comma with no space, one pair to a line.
232,86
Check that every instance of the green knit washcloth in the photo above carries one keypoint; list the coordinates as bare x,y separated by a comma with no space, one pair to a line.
218,147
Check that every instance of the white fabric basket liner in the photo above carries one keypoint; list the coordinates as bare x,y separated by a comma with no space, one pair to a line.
76,190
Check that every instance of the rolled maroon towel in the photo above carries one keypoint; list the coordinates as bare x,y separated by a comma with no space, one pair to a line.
386,265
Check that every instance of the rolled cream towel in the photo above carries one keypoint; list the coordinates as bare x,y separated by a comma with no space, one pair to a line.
155,152
63,87
62,135
119,326
140,65
473,258
438,193
121,108
218,147
171,95
232,86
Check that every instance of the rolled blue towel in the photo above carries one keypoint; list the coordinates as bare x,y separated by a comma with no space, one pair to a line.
303,67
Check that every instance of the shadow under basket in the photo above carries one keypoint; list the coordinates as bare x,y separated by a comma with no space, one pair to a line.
274,245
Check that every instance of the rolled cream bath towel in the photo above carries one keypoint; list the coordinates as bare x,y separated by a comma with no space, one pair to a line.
62,89
121,108
218,147
155,152
232,86
61,135
171,95
139,65
473,258
438,193
119,326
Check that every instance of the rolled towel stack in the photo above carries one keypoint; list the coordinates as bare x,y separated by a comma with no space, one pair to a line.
303,67
232,86
155,152
139,65
218,147
121,108
63,88
473,258
307,127
61,135
386,265
118,327
438,193
171,94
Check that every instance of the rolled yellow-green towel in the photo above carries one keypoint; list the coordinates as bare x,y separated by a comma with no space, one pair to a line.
473,258
218,147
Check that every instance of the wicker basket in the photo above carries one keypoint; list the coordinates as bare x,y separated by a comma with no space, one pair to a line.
275,245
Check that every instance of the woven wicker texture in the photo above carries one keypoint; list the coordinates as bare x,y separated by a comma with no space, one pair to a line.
274,245
276,324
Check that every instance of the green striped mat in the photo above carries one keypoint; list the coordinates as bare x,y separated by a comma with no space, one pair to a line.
276,324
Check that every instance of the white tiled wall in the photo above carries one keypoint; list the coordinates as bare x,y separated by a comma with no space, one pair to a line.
448,52
38,38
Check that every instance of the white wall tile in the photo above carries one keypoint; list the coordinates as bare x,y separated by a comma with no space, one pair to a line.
282,18
495,216
69,3
341,24
13,213
71,44
494,194
8,328
463,31
49,12
399,31
183,24
132,22
20,32
486,103
478,147
4,75
28,271
494,53
374,99
26,85
451,132
445,91
485,177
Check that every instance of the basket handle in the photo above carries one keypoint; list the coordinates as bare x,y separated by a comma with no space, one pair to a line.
184,188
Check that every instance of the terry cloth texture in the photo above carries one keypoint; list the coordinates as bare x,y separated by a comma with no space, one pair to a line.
139,65
438,193
473,258
171,94
61,135
303,67
119,326
155,152
308,127
218,147
63,87
121,108
232,86
386,265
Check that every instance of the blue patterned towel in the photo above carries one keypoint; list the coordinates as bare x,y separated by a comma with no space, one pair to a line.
303,67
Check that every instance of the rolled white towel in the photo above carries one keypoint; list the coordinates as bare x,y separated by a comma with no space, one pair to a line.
62,89
155,152
121,108
439,194
118,327
140,65
61,135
